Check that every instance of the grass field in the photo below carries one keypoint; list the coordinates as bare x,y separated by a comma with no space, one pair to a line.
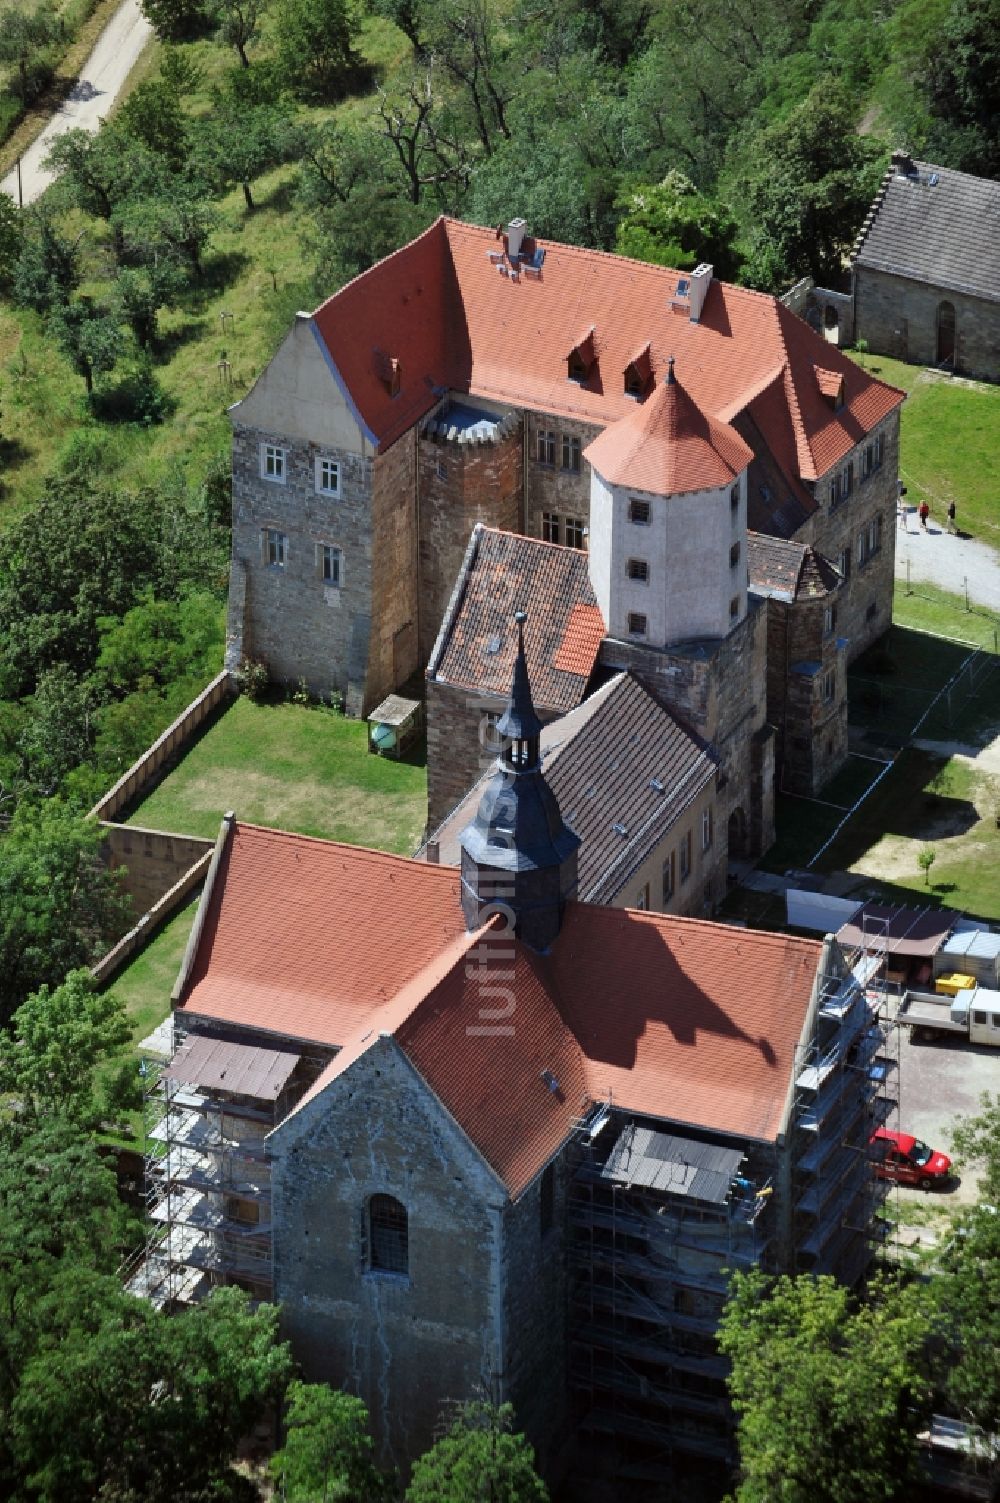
146,982
948,438
296,768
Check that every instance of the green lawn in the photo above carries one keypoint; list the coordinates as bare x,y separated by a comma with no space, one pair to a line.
147,981
295,768
948,441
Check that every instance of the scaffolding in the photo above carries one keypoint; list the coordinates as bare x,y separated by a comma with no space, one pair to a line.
844,1084
656,1220
207,1177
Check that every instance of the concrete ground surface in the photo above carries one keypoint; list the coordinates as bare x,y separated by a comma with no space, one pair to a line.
953,563
101,80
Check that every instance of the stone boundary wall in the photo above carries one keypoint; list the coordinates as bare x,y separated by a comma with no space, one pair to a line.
173,740
154,860
160,911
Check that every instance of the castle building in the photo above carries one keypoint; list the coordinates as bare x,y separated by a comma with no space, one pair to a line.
512,1142
489,377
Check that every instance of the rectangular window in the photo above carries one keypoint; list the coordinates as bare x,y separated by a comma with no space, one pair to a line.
638,512
829,620
844,563
734,555
489,737
866,461
862,555
847,479
642,898
829,685
545,446
835,497
570,452
275,548
331,564
874,534
734,608
272,463
734,499
638,570
669,877
441,470
328,477
550,527
706,830
686,857
636,624
574,532
879,450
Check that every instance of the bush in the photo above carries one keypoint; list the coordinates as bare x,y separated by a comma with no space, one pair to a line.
137,398
252,679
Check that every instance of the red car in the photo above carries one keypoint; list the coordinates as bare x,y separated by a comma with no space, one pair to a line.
902,1158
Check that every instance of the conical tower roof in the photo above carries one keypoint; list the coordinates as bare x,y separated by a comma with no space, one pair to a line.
668,446
519,721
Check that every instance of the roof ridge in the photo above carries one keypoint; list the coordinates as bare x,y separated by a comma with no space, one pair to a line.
366,851
769,936
392,256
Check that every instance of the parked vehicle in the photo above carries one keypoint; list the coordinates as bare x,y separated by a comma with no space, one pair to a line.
904,1159
972,1013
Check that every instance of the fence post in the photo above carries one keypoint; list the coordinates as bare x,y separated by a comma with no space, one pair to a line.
908,590
965,581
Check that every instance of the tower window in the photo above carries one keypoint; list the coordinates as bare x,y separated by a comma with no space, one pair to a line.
574,532
570,452
734,608
550,527
829,685
638,570
545,446
636,624
639,512
734,555
388,1235
734,499
706,830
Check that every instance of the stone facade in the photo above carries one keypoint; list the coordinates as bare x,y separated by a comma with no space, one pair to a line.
686,873
806,692
558,485
393,653
900,317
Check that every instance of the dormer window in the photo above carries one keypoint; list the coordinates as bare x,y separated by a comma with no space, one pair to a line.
831,384
389,371
582,358
639,374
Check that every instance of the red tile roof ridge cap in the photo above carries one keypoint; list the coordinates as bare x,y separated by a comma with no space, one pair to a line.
769,936
506,532
749,394
435,224
592,252
366,851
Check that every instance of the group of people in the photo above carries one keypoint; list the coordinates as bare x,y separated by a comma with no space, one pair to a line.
924,511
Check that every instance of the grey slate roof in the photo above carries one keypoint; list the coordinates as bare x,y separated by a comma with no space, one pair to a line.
789,571
674,1165
945,232
603,761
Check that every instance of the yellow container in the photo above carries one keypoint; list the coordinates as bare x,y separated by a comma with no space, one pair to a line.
951,985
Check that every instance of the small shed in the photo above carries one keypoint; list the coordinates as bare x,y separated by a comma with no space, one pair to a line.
394,724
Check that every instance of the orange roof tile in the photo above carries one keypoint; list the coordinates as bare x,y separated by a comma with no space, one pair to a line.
439,307
668,446
677,1019
577,652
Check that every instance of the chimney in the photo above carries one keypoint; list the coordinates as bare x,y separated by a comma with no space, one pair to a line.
432,852
515,235
701,280
903,163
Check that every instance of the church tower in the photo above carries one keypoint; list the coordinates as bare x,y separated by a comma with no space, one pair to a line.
668,521
518,855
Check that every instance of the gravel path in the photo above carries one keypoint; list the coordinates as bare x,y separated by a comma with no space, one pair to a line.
105,71
951,563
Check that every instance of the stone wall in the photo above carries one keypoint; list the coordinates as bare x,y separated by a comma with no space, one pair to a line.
810,729
705,886
155,860
864,604
393,647
829,313
462,483
899,317
404,1343
552,488
298,625
150,920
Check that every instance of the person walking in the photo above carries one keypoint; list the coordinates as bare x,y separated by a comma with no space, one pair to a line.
951,517
925,512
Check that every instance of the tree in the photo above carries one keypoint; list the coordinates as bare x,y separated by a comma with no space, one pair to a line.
315,48
161,641
328,1449
23,35
240,142
177,20
963,85
153,117
238,24
829,1394
176,224
925,860
804,186
140,292
102,169
10,239
48,266
60,906
465,38
63,1056
431,153
672,224
60,731
90,337
478,1460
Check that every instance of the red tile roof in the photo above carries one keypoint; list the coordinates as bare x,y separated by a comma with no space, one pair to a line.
678,1019
504,572
440,308
668,446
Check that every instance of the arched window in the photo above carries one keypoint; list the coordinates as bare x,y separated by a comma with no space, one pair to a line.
388,1235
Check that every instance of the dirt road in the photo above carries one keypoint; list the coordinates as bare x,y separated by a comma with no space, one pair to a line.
105,71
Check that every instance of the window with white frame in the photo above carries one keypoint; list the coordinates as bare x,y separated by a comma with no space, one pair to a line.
829,620
706,829
550,527
545,446
331,564
272,463
275,548
686,857
570,452
327,476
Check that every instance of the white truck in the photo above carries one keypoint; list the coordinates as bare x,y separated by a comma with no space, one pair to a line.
973,1013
